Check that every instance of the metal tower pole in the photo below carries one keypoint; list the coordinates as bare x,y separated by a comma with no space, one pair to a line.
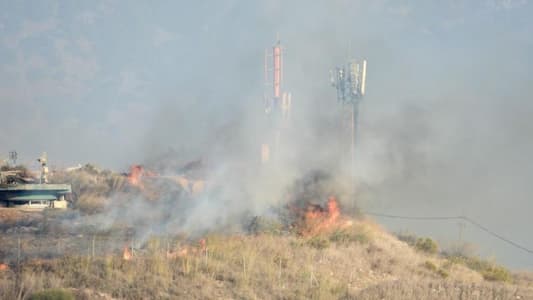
352,144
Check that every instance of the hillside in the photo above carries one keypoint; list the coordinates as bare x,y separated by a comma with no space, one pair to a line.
122,239
361,261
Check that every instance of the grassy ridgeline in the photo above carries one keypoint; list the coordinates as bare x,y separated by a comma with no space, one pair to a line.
362,261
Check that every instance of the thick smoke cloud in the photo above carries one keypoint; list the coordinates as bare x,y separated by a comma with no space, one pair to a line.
444,127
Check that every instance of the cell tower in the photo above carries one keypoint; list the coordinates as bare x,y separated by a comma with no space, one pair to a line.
350,81
13,155
277,102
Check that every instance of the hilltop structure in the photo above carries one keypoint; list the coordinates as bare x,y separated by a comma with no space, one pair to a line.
19,189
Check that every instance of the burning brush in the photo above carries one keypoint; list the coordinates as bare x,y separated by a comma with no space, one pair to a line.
305,212
136,174
4,267
150,182
127,254
317,219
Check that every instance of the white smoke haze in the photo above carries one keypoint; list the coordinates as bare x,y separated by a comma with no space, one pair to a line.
444,128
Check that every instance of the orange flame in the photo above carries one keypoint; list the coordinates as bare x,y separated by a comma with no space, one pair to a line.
202,244
126,254
318,219
134,177
4,267
137,172
333,208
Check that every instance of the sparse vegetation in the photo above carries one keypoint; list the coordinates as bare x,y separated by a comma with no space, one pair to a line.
460,249
489,270
354,260
443,273
318,242
52,294
262,225
90,186
430,266
347,236
445,290
423,244
457,254
260,266
426,245
90,204
408,238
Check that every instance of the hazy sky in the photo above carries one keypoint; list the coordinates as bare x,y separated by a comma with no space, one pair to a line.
445,128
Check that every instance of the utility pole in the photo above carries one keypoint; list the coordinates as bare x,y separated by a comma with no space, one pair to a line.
352,143
462,227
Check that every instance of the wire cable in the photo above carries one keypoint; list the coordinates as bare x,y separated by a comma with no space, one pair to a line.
410,217
464,218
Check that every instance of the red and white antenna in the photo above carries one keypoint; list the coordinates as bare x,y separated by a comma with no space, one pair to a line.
277,101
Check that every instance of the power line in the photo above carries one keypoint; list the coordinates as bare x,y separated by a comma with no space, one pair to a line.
410,217
464,218
510,242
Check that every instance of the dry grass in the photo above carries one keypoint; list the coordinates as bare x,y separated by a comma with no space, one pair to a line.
440,290
90,204
362,262
90,186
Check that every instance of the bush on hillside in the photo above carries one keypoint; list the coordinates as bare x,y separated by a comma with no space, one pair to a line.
349,236
489,270
90,204
426,245
408,238
318,242
422,244
263,225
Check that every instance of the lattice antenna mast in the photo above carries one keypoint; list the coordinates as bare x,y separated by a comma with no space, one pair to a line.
13,155
350,82
277,101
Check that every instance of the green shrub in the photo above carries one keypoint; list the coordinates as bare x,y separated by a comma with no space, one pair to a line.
408,238
339,236
430,266
489,270
426,245
263,225
346,237
497,273
361,238
433,267
443,273
52,294
318,242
